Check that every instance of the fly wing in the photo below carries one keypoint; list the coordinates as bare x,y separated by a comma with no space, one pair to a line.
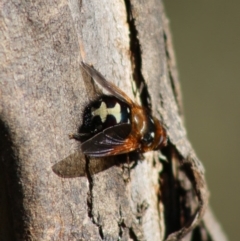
110,87
112,141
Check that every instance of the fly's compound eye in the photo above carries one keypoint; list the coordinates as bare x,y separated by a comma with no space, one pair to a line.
148,138
149,135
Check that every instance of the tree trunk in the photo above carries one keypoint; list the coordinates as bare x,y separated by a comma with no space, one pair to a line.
43,95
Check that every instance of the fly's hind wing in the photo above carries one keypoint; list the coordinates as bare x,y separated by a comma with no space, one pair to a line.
110,87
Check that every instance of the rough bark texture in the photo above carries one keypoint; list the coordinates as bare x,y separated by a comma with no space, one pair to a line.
43,94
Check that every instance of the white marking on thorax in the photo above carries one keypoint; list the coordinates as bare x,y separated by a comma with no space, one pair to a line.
103,111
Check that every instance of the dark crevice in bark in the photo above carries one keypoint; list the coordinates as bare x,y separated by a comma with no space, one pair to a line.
189,201
11,196
101,232
136,59
132,235
121,224
90,181
120,233
169,194
200,234
177,193
90,197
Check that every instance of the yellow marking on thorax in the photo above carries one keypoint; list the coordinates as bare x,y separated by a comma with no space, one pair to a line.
116,112
103,111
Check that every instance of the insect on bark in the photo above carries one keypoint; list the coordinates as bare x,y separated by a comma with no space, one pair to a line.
113,125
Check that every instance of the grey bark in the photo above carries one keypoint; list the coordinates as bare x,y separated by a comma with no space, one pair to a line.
43,95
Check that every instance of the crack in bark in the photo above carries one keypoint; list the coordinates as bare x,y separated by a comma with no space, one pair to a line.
136,58
132,235
136,63
169,193
90,198
121,224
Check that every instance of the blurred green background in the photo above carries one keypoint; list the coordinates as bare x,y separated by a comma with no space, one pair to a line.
206,38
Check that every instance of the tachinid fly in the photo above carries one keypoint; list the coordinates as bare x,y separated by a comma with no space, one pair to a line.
113,124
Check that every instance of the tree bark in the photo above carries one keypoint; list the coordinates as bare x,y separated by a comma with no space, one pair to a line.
43,94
